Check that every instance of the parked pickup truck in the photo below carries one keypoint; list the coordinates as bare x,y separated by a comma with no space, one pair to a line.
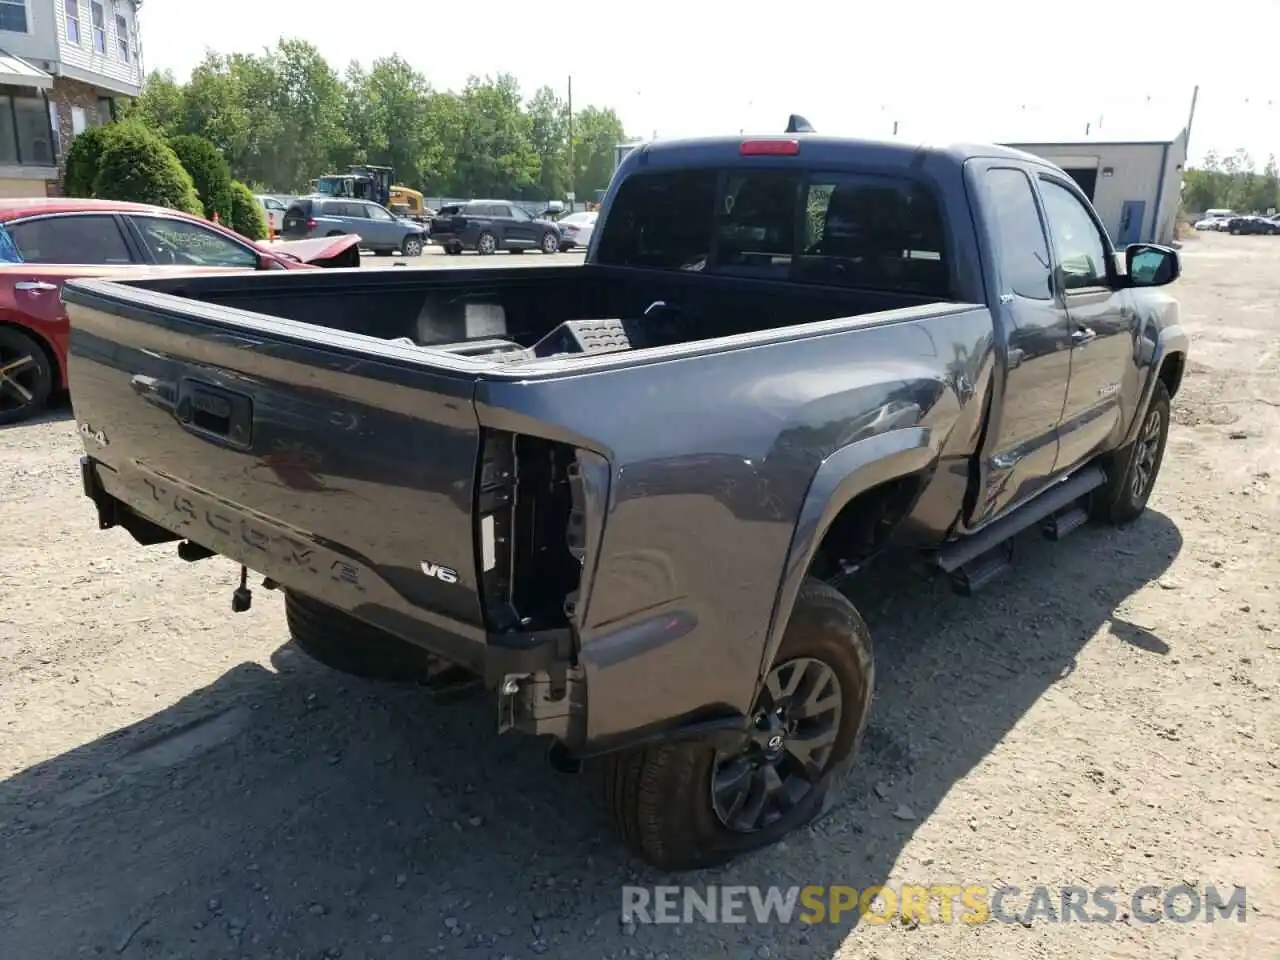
618,492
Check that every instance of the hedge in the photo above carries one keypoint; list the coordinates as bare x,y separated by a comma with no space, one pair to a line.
83,159
137,165
209,171
247,216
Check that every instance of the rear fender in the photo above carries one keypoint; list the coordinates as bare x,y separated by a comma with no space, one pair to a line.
848,472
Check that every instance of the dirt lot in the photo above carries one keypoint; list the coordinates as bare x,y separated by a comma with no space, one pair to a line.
181,783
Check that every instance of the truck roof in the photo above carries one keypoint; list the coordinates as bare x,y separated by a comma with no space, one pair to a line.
820,149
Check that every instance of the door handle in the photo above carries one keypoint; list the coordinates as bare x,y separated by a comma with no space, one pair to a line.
35,286
1082,336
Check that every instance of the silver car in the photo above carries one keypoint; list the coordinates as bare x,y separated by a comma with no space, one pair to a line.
380,230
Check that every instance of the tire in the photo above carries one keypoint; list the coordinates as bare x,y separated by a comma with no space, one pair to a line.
1133,469
26,376
550,243
486,244
411,246
453,250
383,253
515,250
660,798
348,645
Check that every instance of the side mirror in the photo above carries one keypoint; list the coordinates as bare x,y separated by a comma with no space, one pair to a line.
1149,265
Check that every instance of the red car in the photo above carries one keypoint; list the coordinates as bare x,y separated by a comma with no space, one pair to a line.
44,242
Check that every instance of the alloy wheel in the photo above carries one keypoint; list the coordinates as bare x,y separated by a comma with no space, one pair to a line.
787,749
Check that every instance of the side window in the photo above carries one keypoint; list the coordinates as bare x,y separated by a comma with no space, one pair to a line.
881,233
181,241
504,212
1023,248
661,220
375,212
755,223
520,214
354,210
1081,252
92,239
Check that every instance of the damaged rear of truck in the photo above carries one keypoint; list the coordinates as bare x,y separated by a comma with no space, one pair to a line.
612,493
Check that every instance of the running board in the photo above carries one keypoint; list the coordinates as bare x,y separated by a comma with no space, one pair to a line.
955,555
1066,522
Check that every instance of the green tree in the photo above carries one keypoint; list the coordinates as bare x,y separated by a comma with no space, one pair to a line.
549,137
596,134
247,215
83,159
495,155
137,165
161,105
209,171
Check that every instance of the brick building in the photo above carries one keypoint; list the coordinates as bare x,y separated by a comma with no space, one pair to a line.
64,64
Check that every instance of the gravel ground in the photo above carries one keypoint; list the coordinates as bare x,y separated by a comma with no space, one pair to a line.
179,783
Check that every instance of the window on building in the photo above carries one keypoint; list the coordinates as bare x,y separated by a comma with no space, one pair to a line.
35,138
55,125
99,27
79,122
26,130
13,16
122,37
73,21
106,112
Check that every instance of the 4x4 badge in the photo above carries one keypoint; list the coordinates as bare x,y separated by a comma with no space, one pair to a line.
97,436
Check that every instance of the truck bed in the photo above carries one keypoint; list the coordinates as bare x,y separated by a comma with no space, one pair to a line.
522,307
459,502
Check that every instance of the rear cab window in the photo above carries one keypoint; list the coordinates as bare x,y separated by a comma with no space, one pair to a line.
844,229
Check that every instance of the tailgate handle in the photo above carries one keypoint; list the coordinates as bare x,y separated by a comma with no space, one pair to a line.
205,409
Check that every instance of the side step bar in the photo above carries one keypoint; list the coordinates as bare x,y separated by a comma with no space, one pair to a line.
955,555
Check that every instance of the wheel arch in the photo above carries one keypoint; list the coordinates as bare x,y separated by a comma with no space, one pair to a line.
891,469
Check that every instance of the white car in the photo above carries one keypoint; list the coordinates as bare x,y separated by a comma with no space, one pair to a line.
274,208
576,229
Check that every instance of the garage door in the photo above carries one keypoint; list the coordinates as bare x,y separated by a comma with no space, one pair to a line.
17,189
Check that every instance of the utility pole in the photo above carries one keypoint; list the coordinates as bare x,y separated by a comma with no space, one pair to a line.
1195,93
573,203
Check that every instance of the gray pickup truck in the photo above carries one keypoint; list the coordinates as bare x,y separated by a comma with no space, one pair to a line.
617,494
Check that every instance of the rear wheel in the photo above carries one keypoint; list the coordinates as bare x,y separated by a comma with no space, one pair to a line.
684,806
550,242
453,249
26,376
346,644
486,244
411,247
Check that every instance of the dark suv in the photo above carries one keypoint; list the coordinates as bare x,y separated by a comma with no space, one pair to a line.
487,226
380,231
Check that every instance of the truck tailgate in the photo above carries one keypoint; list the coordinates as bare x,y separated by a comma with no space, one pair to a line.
299,452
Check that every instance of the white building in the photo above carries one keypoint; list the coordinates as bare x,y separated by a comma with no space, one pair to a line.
1136,186
63,65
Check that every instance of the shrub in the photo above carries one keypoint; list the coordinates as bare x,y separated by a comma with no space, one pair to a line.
137,165
247,216
83,159
209,172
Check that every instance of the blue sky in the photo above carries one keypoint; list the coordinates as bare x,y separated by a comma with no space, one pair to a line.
987,70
